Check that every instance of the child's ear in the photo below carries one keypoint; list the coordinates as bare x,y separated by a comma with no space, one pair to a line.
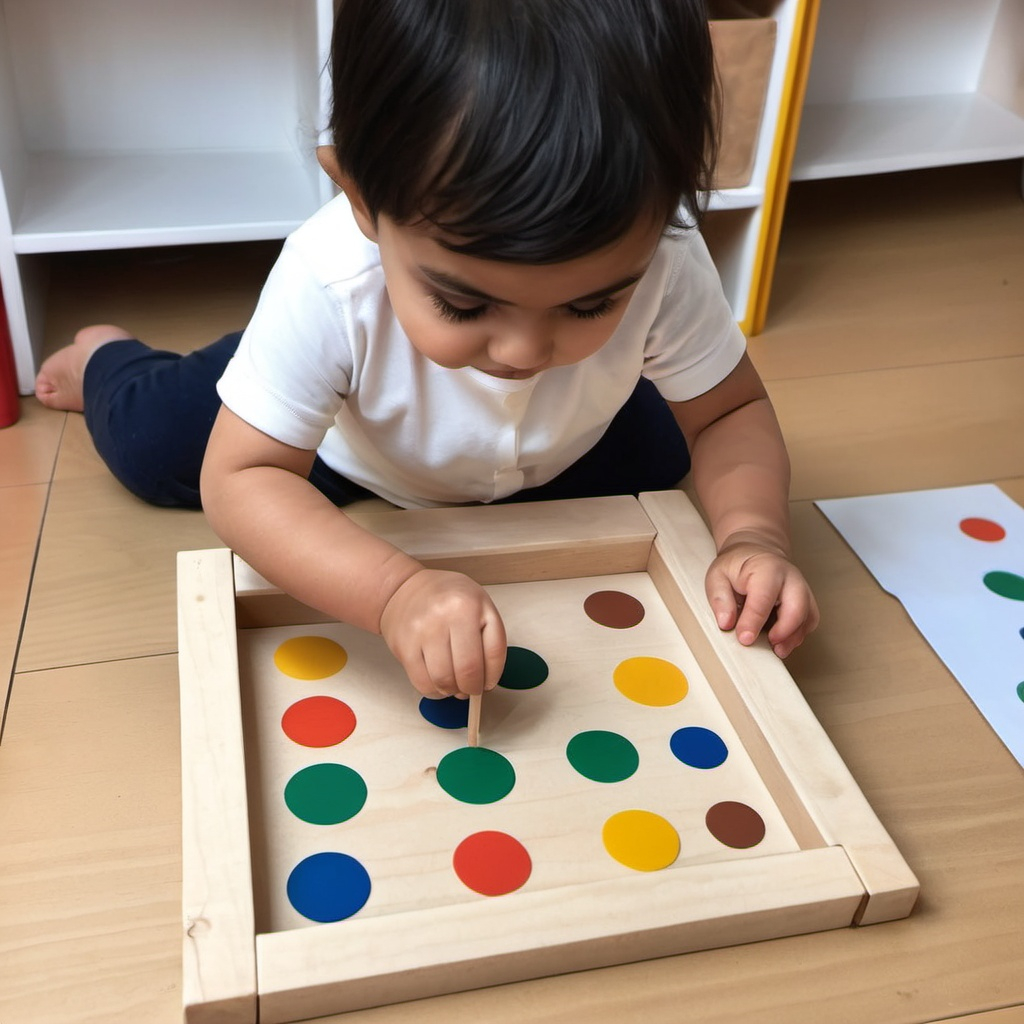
328,158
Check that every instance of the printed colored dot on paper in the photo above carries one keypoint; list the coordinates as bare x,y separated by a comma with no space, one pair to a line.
651,681
492,863
325,794
641,840
1020,690
524,669
310,657
614,609
328,887
602,756
318,722
1005,584
982,529
698,747
476,775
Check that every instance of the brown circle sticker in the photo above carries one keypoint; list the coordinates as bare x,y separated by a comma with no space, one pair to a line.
614,609
735,824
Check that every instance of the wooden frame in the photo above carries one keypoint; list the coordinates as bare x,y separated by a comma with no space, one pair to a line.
846,870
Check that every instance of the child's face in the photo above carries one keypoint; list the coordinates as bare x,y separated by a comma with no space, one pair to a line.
506,319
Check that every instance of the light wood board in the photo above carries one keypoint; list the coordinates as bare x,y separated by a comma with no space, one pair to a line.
825,861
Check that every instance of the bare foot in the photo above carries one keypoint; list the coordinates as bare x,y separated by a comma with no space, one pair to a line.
59,381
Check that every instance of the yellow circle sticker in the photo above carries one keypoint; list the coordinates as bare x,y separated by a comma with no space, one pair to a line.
641,840
310,657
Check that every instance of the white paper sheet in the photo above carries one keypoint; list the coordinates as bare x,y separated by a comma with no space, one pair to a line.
964,592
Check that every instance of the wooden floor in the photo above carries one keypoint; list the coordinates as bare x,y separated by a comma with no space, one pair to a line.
894,352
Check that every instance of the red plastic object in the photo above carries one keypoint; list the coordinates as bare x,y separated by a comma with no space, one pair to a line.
10,407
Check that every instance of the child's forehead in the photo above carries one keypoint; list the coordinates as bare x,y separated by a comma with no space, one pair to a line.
424,251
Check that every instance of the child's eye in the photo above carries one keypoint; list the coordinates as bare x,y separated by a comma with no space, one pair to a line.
601,308
456,314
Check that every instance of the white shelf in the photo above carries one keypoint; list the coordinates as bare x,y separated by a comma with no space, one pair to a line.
750,197
133,123
74,202
901,85
903,133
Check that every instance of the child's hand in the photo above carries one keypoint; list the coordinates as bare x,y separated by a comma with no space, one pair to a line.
446,632
746,583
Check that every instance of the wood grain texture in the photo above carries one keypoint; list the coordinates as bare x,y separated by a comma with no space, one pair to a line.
420,933
218,958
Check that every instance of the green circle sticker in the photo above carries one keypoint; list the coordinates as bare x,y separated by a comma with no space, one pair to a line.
325,794
476,775
602,756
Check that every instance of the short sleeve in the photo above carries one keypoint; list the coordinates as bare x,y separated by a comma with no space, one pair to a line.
694,342
293,367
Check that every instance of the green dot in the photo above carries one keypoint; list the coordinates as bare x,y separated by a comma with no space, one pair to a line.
524,669
602,756
476,775
325,794
1020,690
1005,584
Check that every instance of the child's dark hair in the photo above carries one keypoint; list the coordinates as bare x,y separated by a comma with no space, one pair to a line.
536,130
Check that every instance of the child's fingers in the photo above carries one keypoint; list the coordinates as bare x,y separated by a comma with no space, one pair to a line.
757,606
797,618
468,661
495,648
721,597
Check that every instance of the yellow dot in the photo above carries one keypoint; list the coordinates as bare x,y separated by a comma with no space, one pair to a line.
641,840
650,681
310,657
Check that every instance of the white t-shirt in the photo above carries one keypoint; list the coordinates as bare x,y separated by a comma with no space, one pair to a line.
325,365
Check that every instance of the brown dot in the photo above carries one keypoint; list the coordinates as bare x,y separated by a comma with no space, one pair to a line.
735,824
614,609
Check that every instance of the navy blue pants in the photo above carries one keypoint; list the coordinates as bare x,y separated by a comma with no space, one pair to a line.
150,414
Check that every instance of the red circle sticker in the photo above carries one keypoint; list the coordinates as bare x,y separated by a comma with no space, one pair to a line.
492,863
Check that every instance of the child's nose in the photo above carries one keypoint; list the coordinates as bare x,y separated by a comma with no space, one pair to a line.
523,348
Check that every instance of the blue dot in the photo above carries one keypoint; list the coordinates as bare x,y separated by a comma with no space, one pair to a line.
699,748
328,887
446,713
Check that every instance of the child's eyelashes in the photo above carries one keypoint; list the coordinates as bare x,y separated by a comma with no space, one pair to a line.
464,314
592,312
456,314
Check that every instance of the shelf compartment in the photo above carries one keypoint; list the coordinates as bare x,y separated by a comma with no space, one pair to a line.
920,83
904,133
76,202
135,123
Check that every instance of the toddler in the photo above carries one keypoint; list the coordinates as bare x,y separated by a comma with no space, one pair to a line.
509,300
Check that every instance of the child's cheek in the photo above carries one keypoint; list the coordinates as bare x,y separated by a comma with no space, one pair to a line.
444,344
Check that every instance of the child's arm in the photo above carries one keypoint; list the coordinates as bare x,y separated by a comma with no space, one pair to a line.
441,626
741,476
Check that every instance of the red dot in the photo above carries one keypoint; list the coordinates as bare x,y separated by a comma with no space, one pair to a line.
318,721
492,863
982,529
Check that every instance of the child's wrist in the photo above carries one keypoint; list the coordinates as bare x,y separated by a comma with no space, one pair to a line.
398,575
767,541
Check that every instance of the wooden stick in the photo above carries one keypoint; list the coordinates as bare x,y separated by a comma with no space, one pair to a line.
476,702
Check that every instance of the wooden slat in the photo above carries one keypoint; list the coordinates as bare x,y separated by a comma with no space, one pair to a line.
490,543
767,694
219,968
359,963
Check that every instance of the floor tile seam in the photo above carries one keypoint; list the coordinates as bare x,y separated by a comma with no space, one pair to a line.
37,547
120,660
787,378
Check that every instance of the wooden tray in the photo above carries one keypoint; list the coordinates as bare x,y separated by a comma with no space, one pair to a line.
825,860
